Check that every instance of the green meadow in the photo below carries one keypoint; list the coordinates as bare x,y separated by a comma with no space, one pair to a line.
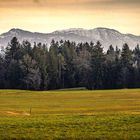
74,114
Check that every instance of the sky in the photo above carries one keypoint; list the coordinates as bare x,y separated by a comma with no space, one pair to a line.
50,15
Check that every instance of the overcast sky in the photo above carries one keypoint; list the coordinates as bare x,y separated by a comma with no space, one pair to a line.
49,15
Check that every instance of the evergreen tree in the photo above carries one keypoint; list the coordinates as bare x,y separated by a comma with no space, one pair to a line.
126,66
111,54
126,56
2,73
40,55
69,54
12,58
97,64
31,71
53,71
82,64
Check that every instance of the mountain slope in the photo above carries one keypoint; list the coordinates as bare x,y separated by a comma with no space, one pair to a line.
104,35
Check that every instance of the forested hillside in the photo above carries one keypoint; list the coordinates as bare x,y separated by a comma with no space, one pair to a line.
67,65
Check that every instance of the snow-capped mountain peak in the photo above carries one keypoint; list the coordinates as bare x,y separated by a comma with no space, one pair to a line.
106,36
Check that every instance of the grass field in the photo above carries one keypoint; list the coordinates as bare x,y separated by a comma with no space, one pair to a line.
107,115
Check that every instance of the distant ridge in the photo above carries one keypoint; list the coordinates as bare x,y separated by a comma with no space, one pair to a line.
106,36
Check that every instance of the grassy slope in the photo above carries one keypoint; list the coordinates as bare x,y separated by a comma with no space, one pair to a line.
113,114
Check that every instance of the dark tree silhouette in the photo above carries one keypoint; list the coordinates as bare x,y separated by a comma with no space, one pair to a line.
68,65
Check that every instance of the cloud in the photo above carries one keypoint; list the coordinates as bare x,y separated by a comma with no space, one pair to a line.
103,2
127,1
68,3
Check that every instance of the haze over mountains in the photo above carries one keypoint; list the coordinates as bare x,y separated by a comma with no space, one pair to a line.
104,35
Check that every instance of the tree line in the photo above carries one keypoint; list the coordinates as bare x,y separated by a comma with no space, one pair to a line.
68,64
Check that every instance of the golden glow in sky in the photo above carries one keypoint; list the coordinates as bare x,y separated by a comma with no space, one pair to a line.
49,15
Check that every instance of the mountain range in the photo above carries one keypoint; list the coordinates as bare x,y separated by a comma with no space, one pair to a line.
106,36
